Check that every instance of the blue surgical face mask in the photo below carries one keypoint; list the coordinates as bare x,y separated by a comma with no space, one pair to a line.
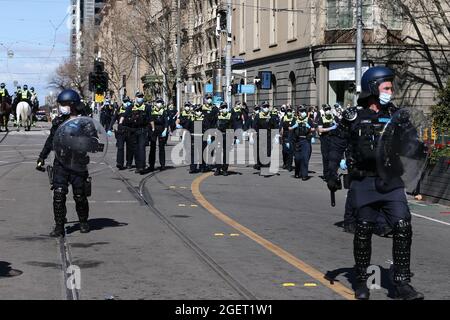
140,100
385,98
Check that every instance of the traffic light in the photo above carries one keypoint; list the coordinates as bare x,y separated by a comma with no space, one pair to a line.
234,88
98,79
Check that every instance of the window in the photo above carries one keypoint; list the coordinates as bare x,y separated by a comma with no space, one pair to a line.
341,14
242,27
273,22
292,21
394,17
256,42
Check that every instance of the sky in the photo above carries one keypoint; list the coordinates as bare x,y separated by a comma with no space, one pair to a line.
37,32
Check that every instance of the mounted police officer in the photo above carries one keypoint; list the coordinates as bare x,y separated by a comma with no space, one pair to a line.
159,122
69,107
25,95
4,94
123,135
373,195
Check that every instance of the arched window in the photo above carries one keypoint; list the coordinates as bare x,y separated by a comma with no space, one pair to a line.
292,88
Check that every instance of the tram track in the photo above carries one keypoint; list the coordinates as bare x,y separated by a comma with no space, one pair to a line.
141,193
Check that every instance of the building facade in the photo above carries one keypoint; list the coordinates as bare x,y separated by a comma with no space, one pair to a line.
309,46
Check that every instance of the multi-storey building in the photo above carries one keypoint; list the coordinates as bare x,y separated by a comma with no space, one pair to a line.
309,46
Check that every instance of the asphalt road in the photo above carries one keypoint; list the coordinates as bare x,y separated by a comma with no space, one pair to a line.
172,235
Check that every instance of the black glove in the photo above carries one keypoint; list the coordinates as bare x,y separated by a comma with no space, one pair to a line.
334,184
40,164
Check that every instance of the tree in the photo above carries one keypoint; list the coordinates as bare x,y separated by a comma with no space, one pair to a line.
69,76
151,29
422,46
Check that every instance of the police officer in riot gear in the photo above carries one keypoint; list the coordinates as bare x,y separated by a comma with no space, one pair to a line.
69,106
123,136
373,195
172,115
159,122
137,121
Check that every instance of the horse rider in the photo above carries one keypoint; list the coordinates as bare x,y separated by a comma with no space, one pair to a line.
4,94
25,95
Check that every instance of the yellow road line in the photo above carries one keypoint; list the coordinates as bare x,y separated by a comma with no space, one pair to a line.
283,254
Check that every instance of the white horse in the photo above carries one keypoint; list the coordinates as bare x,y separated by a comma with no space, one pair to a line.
23,115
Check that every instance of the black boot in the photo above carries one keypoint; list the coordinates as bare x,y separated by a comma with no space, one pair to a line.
225,173
58,231
82,207
404,291
362,251
217,172
84,227
361,291
59,210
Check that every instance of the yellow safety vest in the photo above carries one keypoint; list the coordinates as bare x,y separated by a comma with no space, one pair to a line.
25,94
157,112
138,108
2,92
224,117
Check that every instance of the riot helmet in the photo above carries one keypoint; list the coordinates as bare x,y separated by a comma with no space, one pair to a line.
69,102
371,81
2,85
25,87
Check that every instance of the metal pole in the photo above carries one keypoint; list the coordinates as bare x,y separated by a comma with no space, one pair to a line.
136,87
228,57
358,64
179,56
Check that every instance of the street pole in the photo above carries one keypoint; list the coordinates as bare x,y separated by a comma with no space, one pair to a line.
136,73
228,56
179,56
358,63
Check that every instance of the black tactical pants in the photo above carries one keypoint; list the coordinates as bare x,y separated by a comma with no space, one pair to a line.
162,150
125,137
62,177
261,145
325,149
222,151
302,152
140,136
197,154
288,152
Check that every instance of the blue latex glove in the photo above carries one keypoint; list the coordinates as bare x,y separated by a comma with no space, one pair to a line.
343,164
209,141
109,133
251,140
238,141
333,127
313,140
179,126
294,126
288,145
308,126
164,133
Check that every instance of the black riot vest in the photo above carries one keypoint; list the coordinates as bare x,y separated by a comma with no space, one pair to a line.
364,134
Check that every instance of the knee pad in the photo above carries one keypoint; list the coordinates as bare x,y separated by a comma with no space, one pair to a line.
363,234
403,229
59,195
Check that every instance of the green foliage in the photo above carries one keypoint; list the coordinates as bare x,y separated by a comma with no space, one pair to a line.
441,111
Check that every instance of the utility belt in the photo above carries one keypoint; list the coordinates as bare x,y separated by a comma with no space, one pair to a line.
87,182
360,174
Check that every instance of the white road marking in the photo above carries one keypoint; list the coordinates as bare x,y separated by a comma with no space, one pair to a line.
428,218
